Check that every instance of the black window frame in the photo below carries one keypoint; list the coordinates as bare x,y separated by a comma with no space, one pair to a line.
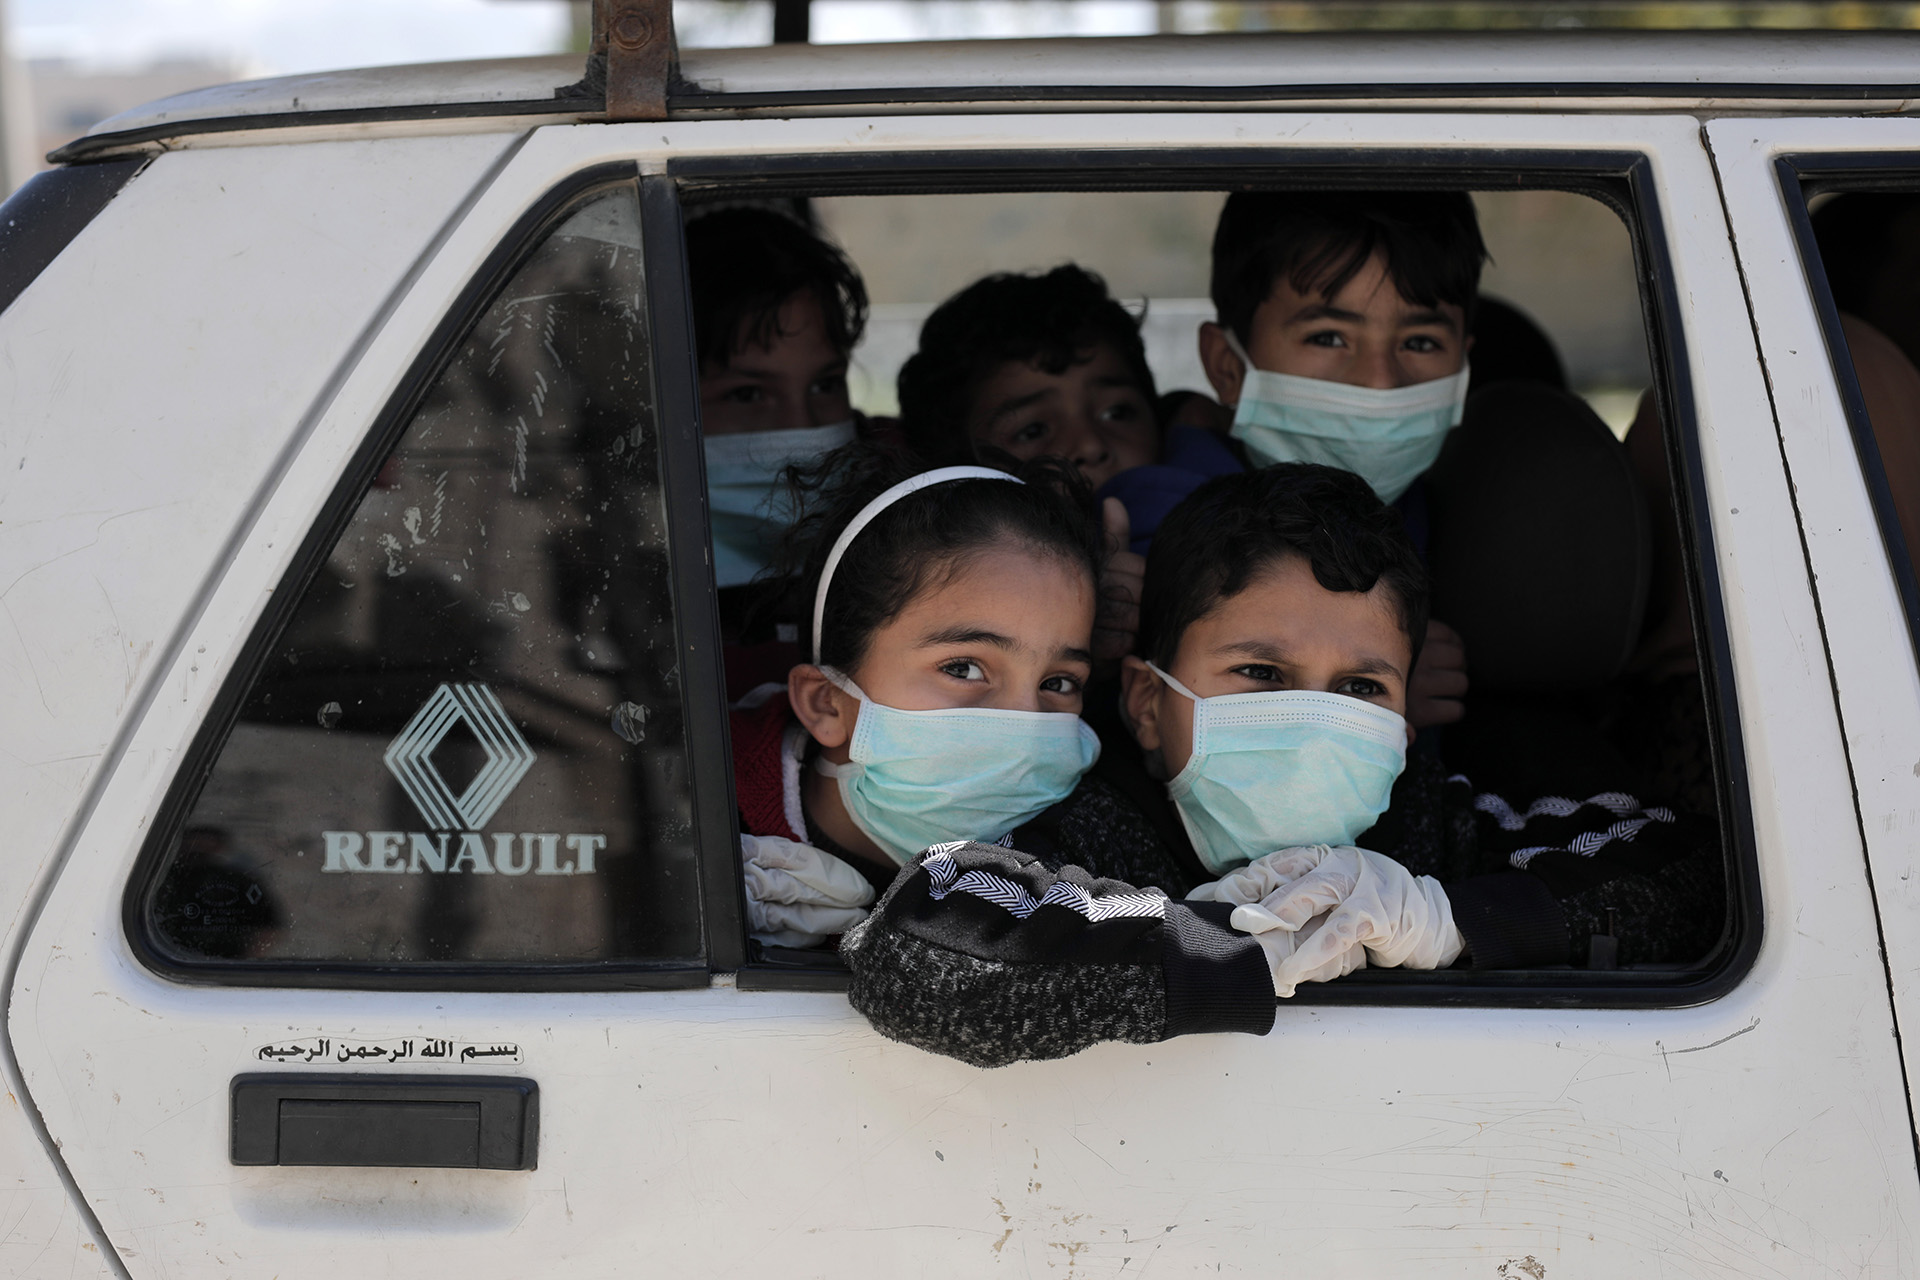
1801,177
697,632
1622,179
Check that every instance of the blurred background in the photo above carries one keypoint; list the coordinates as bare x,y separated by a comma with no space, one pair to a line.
67,64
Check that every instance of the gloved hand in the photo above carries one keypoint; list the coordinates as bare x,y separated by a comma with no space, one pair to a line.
797,895
1259,878
1284,946
1401,919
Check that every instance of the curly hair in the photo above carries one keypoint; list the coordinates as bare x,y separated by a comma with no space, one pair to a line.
1052,320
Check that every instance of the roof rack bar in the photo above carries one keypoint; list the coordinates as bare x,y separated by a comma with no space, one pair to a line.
635,39
792,21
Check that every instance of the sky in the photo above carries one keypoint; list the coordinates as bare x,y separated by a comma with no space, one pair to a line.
269,37
281,37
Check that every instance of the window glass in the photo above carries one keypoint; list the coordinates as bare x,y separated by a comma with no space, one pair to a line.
467,745
1869,245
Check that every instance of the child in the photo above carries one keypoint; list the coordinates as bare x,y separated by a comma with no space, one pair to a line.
951,617
1343,330
1049,365
1278,631
776,312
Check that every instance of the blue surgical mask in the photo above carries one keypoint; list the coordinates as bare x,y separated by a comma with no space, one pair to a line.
747,495
921,778
1275,770
1388,438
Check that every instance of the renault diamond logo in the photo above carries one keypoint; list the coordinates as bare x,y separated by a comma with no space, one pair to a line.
508,757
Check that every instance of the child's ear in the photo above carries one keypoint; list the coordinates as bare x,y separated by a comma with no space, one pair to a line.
820,706
1140,701
1224,369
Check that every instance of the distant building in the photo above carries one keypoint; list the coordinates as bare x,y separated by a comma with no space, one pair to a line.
70,98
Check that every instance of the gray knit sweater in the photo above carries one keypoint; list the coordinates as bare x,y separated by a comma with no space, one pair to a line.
983,954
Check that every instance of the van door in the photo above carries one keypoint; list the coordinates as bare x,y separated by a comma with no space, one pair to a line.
1837,379
425,859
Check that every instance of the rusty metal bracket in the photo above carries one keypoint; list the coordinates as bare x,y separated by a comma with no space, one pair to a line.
632,61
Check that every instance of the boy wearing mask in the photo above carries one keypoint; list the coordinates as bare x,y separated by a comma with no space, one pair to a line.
1278,635
776,313
1344,324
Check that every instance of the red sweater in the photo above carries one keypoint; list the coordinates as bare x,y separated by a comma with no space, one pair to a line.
766,778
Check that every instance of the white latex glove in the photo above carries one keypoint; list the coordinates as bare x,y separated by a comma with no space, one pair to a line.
1256,881
1283,945
797,895
1402,920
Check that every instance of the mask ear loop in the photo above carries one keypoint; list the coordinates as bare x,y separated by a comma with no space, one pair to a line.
1233,345
925,480
1175,685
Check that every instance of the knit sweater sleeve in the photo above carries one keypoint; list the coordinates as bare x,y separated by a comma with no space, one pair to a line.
983,954
1576,869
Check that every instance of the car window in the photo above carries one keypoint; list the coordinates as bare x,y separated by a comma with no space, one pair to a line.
1613,808
1866,246
465,743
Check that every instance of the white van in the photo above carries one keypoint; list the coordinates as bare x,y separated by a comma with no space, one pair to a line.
350,432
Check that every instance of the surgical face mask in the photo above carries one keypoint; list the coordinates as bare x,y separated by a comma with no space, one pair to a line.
1389,438
1275,770
747,496
920,778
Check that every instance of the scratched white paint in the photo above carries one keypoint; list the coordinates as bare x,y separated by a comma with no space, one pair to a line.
147,380
1873,657
729,1133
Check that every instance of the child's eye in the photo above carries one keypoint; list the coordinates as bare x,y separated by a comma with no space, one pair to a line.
1424,345
1327,338
829,386
1064,685
748,394
1032,433
1125,411
1259,672
964,669
1359,687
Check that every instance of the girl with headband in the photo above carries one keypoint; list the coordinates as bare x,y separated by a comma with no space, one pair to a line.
951,629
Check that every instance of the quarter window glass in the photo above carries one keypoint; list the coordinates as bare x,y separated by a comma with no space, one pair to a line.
467,744
1868,243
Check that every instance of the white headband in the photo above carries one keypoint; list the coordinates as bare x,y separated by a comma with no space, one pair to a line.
925,480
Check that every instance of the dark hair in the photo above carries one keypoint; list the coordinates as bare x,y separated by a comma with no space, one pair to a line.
922,539
1051,320
1210,546
743,263
1319,240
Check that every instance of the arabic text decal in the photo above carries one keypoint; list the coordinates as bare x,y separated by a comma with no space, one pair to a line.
411,1050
